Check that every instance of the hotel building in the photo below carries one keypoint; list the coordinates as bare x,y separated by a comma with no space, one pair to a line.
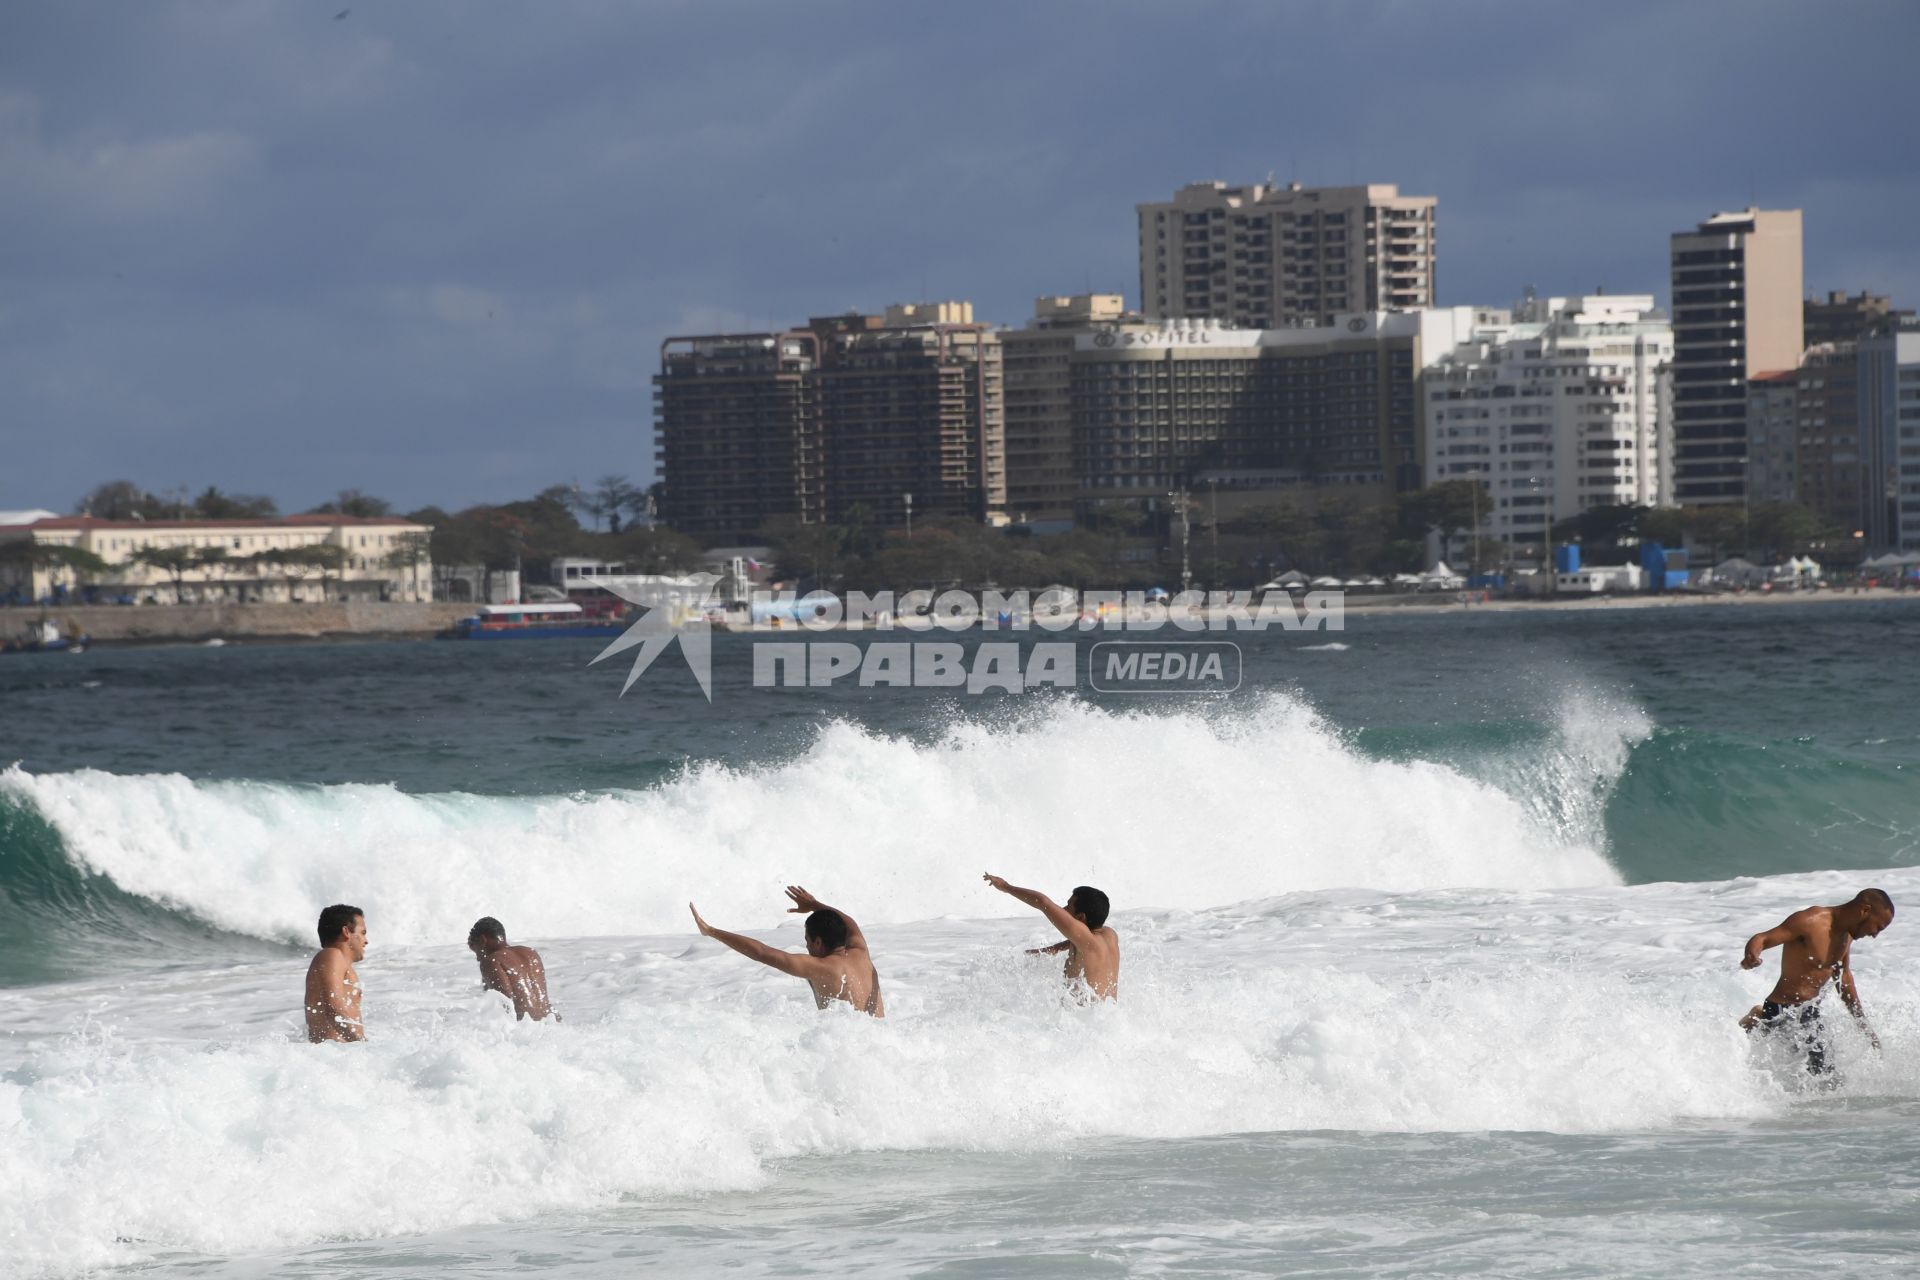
1268,257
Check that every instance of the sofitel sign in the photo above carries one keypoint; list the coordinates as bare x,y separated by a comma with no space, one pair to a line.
1162,339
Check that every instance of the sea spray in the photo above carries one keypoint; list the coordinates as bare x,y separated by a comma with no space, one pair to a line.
1173,809
682,1068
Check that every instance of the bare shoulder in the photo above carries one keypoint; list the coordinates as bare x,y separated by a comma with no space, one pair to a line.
327,962
1811,920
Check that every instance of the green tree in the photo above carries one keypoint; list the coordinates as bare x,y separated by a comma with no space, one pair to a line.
1604,526
327,558
22,557
658,551
352,502
215,505
801,550
123,500
609,497
409,551
172,561
213,561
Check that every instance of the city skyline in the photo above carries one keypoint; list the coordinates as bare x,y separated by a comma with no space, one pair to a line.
431,253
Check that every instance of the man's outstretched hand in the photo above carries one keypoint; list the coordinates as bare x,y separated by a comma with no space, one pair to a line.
997,882
705,928
802,900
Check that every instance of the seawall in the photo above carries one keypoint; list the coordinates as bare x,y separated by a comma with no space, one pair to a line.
187,622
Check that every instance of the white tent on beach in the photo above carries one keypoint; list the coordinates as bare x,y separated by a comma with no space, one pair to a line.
1737,571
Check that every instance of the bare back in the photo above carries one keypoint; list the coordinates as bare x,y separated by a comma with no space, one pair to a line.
1096,962
333,998
516,973
847,974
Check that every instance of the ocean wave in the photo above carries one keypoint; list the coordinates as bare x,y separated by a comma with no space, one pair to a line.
683,1069
1184,809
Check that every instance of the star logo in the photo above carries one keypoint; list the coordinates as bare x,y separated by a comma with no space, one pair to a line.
676,608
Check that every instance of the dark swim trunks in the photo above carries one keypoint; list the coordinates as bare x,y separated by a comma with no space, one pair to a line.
1802,1023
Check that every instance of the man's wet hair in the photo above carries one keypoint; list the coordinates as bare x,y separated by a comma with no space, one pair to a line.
830,927
1093,905
335,918
487,927
1878,898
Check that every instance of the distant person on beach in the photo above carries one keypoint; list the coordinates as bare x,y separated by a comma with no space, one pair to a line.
836,963
333,985
1816,948
515,972
1092,949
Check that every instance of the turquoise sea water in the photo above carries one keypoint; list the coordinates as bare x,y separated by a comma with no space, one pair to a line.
1432,945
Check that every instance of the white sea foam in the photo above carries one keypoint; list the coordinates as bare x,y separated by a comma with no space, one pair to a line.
151,1115
1173,810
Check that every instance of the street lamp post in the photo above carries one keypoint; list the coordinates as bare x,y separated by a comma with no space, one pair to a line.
1179,501
1213,519
907,499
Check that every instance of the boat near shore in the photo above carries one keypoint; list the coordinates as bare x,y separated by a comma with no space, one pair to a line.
45,636
533,622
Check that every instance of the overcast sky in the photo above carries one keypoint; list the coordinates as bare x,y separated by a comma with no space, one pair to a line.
429,250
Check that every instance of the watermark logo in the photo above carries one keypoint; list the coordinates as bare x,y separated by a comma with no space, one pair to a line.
686,609
1164,666
675,609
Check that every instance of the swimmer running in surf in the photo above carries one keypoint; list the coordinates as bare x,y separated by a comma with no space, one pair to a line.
1816,948
836,963
1092,949
515,972
333,984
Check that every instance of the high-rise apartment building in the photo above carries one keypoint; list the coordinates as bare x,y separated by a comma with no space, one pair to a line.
1559,407
738,431
1152,407
1889,392
1266,257
1737,312
1039,404
1773,436
1829,477
851,417
912,410
1841,318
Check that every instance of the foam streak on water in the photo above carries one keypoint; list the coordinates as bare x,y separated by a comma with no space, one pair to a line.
185,1117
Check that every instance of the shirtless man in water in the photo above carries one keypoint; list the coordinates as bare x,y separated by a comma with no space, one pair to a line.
836,963
515,972
1093,950
1816,948
333,985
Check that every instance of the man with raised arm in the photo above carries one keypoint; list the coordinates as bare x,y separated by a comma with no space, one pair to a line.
836,963
1816,948
1093,950
515,972
333,985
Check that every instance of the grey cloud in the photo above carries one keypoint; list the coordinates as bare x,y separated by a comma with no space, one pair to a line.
430,250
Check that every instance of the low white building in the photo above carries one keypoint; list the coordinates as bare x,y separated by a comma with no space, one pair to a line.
1561,406
281,559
